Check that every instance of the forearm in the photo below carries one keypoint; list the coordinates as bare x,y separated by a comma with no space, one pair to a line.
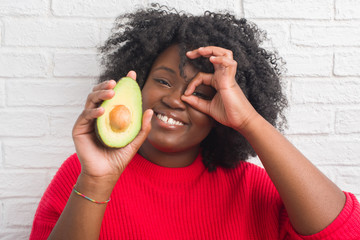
311,199
81,218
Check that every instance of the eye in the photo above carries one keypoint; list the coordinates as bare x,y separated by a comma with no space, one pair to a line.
201,95
162,82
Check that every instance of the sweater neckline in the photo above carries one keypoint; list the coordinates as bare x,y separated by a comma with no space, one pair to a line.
175,175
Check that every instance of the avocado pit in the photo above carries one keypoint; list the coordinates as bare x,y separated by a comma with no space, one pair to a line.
120,118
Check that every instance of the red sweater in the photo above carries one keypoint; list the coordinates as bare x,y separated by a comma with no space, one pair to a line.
154,202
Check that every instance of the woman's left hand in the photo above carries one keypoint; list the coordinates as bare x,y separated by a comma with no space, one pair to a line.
229,106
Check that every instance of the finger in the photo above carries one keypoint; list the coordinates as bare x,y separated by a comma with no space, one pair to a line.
209,51
97,97
109,84
145,129
84,122
197,103
131,74
90,114
223,62
200,78
224,66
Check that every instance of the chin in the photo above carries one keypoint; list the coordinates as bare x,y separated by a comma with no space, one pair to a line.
167,147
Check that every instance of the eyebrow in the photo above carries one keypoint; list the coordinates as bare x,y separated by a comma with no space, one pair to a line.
172,71
166,69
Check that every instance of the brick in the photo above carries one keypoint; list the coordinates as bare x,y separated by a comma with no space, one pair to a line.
48,93
62,122
51,174
19,212
15,233
23,7
255,160
308,64
16,183
347,121
2,93
289,9
23,65
23,123
50,33
329,150
0,33
329,171
84,8
105,30
112,8
11,234
348,177
277,32
1,159
76,65
31,154
310,120
347,63
200,6
325,91
347,9
326,35
1,215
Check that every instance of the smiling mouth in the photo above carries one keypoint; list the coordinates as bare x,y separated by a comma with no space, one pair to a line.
168,120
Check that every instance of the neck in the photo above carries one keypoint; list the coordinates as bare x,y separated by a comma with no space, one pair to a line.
168,159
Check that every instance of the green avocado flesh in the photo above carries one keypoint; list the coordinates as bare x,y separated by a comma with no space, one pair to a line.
128,97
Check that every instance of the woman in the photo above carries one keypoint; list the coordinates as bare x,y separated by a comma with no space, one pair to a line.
185,178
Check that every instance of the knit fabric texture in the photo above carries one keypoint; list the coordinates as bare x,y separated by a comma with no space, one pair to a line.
154,202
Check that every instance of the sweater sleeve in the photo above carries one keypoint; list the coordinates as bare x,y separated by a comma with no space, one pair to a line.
346,226
55,198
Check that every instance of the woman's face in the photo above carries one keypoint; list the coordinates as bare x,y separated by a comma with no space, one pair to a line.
176,126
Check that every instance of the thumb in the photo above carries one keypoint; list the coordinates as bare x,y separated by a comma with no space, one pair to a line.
145,129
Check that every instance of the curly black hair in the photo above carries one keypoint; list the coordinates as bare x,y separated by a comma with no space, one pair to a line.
138,38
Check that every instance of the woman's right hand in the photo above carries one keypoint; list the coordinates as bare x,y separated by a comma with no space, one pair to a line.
96,160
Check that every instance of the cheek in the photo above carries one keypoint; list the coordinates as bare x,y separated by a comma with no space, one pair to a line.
201,120
147,97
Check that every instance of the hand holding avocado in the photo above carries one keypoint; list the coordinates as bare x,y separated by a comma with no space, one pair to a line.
96,159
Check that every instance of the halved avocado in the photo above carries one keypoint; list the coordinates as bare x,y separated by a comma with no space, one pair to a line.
121,122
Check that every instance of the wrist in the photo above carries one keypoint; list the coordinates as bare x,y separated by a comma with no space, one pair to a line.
99,188
251,124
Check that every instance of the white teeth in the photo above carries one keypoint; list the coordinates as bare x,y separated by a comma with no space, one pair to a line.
168,120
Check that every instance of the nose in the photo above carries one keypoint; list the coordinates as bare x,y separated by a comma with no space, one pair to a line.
173,100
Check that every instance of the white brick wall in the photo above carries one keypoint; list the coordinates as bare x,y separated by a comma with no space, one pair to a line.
20,64
48,63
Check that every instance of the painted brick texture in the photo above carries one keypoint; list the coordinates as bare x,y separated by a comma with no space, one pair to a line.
49,63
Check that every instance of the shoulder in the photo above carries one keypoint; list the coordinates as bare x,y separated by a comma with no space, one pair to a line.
55,198
67,175
70,168
252,179
60,187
